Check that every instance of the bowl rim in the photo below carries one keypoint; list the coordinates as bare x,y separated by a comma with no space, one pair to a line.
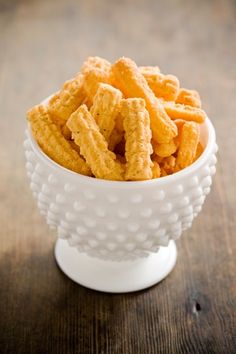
129,184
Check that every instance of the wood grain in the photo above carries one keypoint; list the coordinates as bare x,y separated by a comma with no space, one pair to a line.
42,44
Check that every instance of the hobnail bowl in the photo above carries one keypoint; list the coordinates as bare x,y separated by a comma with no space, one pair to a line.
119,236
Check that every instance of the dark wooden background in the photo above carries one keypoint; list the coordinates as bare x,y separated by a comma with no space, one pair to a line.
43,43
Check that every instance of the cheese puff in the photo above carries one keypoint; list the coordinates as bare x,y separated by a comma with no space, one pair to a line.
92,79
165,86
132,84
115,139
165,150
199,151
156,171
189,98
93,145
105,108
67,100
92,63
177,110
188,145
50,139
138,146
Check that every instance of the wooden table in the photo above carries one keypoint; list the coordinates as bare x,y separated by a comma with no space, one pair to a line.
41,311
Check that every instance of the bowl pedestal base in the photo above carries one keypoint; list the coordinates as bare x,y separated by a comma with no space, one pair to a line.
115,277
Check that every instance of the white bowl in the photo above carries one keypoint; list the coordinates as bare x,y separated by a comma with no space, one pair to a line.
118,236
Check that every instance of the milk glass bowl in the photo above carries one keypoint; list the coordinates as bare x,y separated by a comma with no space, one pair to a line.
119,236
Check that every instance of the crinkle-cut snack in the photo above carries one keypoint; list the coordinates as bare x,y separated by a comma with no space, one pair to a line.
188,145
181,111
168,164
92,63
138,146
67,100
131,82
49,137
106,104
199,151
93,146
164,86
120,122
189,98
179,124
165,150
92,79
156,170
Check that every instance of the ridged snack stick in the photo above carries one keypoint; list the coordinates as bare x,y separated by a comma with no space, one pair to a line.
165,150
106,104
50,139
189,98
165,86
92,79
156,170
67,100
138,135
131,82
93,146
188,145
92,63
177,110
199,151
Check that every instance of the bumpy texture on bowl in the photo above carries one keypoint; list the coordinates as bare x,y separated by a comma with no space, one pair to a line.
120,220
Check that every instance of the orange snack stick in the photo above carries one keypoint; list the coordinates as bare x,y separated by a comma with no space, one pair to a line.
92,63
132,83
189,98
163,172
168,164
165,86
50,139
188,145
105,108
177,110
138,146
156,170
179,123
93,145
67,100
165,150
92,79
199,151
